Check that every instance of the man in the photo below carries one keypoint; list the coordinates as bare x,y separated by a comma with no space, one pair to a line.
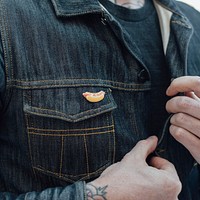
83,90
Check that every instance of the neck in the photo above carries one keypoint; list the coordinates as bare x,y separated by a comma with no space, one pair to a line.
132,4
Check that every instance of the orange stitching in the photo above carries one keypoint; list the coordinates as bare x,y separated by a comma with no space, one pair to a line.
62,135
64,175
71,135
79,119
144,87
63,116
50,172
69,130
43,81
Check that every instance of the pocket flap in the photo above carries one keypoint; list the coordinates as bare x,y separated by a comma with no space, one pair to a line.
67,104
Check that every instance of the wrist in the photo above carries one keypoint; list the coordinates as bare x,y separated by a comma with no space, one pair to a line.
96,191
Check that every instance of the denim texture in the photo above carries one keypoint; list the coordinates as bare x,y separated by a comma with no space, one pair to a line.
52,140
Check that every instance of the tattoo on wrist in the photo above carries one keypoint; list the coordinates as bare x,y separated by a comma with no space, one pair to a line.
96,193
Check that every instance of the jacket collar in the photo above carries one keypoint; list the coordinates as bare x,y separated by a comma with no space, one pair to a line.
78,7
64,8
165,9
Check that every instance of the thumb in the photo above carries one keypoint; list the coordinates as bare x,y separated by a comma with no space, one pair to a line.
167,167
162,164
145,147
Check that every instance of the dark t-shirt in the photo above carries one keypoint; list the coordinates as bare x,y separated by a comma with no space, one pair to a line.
142,26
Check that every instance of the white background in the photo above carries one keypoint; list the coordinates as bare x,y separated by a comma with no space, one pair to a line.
194,3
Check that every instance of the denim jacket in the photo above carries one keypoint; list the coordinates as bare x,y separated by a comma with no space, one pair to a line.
52,140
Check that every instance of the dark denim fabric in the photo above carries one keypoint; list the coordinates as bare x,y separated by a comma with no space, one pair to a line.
51,137
194,181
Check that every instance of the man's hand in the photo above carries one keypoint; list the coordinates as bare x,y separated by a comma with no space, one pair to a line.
185,123
134,179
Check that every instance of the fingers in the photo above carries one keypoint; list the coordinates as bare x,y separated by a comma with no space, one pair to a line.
184,104
186,122
192,95
168,169
163,164
190,102
187,139
184,84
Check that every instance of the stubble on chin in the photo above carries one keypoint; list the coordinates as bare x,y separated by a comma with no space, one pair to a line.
131,4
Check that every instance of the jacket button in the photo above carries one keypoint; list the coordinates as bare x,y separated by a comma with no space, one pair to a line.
143,76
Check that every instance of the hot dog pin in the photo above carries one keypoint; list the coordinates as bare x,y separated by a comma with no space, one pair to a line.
94,97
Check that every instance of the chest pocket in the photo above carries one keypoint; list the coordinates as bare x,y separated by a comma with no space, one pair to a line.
69,137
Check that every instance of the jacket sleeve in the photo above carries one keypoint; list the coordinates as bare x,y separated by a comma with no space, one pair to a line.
72,192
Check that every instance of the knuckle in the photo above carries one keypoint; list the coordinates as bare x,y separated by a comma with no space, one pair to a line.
184,103
142,142
173,185
176,185
127,157
177,132
179,118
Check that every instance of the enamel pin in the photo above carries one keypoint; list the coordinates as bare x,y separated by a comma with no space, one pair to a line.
94,97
